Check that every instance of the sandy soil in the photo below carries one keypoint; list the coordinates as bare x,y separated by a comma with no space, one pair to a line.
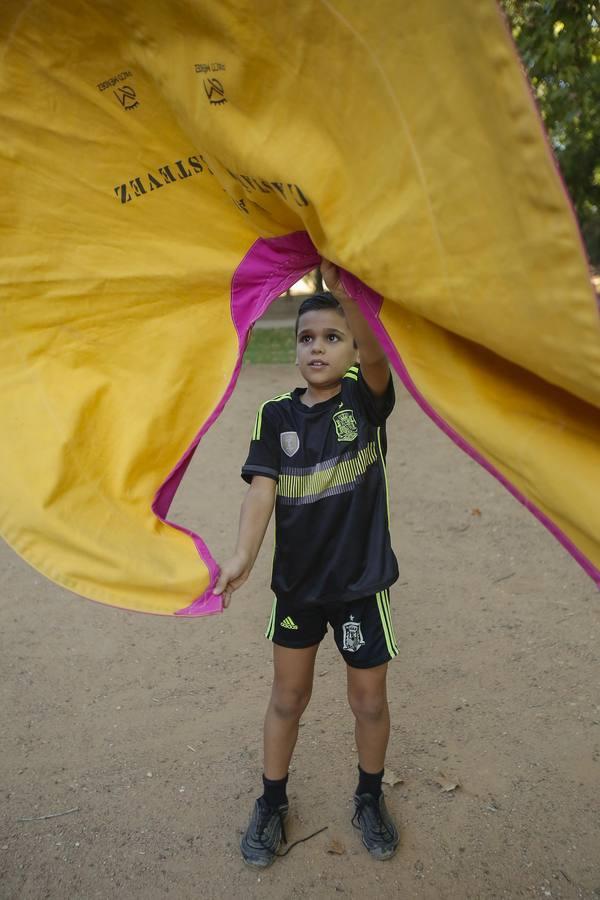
150,728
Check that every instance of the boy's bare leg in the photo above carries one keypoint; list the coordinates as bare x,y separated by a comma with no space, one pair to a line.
292,687
368,700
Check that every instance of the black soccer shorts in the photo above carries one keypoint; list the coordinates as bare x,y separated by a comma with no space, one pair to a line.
363,629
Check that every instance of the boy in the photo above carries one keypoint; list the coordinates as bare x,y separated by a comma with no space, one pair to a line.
318,454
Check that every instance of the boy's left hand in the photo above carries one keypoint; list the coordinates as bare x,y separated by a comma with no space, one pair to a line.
373,361
331,277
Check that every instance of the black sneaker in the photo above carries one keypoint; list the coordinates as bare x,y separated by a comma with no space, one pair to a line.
264,834
379,834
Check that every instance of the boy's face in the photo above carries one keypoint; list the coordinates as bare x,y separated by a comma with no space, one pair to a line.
324,347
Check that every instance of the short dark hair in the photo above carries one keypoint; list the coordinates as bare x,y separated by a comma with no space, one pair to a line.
323,300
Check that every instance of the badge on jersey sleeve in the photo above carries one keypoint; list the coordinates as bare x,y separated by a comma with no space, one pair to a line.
345,425
290,442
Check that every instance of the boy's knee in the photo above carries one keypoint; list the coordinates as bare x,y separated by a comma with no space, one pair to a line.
367,706
289,703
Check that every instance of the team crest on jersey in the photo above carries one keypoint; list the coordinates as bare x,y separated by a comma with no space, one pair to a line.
290,442
353,639
345,425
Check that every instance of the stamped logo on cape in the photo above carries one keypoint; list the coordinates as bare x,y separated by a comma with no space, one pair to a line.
127,96
353,639
215,91
290,442
345,425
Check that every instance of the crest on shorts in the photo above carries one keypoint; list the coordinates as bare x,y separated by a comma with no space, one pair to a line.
353,639
345,425
290,442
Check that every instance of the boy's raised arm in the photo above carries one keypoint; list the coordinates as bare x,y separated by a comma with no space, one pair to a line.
255,513
373,361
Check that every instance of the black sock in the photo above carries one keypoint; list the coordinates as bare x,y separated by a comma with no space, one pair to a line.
369,783
275,793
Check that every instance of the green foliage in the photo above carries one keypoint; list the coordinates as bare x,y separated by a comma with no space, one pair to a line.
559,43
271,345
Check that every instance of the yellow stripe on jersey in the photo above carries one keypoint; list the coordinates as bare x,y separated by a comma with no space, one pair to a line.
258,423
332,476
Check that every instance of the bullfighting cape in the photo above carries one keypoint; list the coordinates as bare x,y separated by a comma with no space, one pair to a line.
169,168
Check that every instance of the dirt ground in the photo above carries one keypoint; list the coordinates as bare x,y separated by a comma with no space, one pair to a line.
150,728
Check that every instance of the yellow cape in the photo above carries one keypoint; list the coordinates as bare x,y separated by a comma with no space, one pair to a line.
169,168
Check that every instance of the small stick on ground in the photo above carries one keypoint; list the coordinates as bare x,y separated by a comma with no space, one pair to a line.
49,816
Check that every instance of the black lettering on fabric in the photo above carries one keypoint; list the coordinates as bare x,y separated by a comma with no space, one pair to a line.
303,201
166,174
114,79
209,67
122,193
154,182
195,164
288,191
176,171
145,184
185,173
138,187
205,163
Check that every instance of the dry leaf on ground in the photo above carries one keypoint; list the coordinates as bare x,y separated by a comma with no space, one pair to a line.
391,778
335,846
447,785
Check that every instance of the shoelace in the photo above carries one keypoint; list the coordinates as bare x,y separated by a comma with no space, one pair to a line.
262,825
383,830
301,840
264,821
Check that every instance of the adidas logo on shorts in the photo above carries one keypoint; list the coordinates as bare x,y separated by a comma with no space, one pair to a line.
288,622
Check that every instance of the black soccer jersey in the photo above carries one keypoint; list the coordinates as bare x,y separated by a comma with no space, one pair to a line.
332,540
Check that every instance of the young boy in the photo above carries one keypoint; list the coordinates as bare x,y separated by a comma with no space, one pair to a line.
318,455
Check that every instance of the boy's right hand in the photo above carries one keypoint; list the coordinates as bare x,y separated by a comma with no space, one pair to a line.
233,574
